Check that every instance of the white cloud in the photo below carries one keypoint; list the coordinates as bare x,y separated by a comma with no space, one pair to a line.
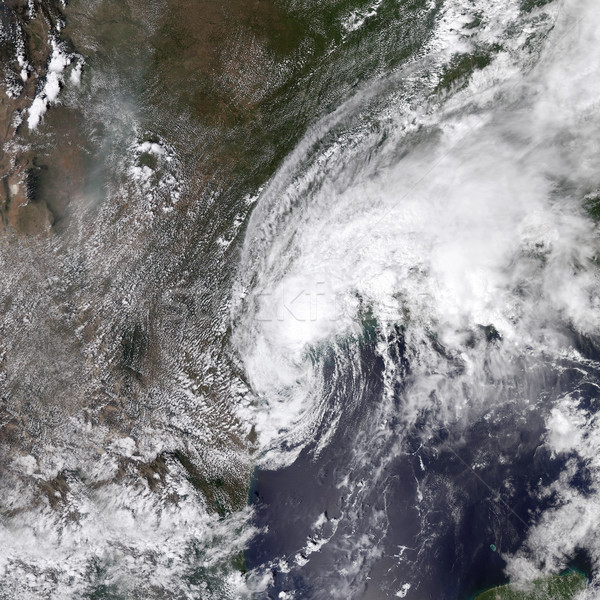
462,230
565,425
59,61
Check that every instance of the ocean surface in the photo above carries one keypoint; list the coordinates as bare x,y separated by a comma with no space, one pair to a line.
299,300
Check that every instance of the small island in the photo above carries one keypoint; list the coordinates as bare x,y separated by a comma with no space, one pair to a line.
554,587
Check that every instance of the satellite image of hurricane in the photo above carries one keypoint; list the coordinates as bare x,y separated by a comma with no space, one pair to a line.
300,299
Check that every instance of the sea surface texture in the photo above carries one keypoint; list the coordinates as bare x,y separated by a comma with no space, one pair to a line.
299,299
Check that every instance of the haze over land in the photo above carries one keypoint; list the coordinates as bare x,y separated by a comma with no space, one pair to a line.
299,299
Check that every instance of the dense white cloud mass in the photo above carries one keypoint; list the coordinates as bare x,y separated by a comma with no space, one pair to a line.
444,216
59,61
469,227
442,200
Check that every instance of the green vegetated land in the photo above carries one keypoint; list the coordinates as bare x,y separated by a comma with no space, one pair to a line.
555,587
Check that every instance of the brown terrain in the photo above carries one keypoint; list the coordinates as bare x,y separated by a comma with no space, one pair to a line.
216,60
117,261
17,162
196,76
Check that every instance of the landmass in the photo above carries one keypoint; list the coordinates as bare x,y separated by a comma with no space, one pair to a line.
555,587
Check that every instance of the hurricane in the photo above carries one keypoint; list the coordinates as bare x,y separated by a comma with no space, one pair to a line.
418,318
300,300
